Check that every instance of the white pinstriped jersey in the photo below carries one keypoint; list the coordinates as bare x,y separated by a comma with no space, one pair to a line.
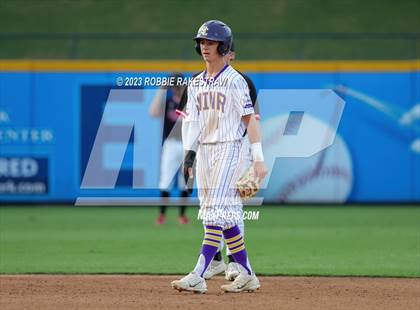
218,105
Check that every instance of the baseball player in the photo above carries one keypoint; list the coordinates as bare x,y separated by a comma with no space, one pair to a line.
218,265
172,150
219,110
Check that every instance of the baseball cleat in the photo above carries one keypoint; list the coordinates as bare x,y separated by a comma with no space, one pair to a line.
183,220
232,271
192,283
215,268
161,219
243,282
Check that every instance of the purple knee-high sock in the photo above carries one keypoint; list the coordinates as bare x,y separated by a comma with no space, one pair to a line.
212,237
236,246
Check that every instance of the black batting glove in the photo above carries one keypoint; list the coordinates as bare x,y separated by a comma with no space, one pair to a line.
189,163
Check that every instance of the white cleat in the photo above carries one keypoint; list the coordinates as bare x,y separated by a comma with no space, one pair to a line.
192,283
243,282
215,268
232,271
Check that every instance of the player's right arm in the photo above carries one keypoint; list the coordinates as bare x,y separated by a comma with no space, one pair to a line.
190,134
184,98
183,102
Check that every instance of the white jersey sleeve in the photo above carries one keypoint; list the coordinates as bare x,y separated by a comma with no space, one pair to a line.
191,107
190,124
241,98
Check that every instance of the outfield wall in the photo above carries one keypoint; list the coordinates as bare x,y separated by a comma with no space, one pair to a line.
50,112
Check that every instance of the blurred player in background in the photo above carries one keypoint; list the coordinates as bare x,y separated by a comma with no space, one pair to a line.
219,110
165,104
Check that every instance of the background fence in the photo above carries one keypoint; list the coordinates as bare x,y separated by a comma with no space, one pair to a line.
264,45
50,121
367,51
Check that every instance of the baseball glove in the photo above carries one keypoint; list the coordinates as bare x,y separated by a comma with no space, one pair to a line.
248,184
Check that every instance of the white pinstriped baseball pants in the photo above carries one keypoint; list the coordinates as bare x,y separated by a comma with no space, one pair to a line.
218,169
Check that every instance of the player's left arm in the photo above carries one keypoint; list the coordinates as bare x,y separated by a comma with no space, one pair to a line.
252,94
245,105
254,135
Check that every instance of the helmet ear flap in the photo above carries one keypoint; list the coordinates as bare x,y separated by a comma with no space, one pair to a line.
197,47
224,47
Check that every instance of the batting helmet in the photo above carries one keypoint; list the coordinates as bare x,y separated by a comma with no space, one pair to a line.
232,47
215,30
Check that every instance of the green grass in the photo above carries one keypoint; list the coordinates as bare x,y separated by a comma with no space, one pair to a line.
185,16
362,241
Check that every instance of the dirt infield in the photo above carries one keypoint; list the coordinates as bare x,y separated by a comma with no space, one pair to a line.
154,292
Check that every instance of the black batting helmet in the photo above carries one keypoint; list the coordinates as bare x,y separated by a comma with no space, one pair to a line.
215,30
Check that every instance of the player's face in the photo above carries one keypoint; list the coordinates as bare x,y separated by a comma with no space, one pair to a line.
209,50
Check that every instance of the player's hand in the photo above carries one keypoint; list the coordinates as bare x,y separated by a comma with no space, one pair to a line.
260,170
188,170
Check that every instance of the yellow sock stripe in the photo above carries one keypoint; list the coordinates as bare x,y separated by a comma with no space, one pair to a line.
238,249
213,231
232,245
212,240
213,237
233,238
211,243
